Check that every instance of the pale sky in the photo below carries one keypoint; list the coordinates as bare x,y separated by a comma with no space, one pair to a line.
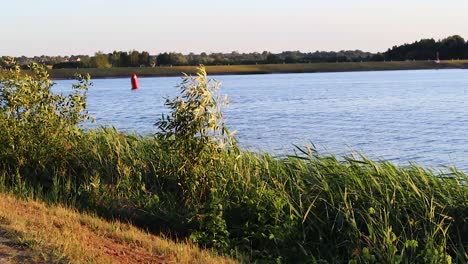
61,27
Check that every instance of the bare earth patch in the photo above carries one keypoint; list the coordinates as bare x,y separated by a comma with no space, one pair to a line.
11,252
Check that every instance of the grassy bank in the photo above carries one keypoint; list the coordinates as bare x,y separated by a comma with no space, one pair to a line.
262,69
34,232
191,181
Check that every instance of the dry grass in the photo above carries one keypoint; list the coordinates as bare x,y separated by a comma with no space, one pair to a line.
33,232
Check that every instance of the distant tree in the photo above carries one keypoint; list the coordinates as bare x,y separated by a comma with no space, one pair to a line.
178,59
124,59
378,57
114,58
144,58
134,58
205,59
193,59
452,47
100,60
69,65
465,51
163,59
291,59
218,58
273,59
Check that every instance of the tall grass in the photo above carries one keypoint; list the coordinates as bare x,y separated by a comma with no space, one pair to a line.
305,208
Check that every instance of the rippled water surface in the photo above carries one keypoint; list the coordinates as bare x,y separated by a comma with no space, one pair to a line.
402,116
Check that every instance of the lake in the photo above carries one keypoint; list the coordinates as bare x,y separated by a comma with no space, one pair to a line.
401,116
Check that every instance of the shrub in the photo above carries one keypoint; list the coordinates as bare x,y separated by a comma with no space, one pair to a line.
194,132
38,128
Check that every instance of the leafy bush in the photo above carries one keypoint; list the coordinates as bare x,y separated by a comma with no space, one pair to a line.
195,118
195,132
38,128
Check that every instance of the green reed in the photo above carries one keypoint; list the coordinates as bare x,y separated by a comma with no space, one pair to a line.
191,180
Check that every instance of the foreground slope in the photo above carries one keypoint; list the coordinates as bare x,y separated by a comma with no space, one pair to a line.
32,232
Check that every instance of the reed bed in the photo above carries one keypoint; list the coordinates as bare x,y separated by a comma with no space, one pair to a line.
306,208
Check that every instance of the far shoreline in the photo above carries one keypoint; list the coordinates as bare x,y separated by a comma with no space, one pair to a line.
175,71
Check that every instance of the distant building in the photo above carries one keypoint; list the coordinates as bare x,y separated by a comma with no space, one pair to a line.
75,58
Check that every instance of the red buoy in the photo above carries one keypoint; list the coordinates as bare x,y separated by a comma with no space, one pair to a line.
134,82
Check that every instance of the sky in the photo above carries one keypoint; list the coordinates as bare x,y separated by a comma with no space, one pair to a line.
61,27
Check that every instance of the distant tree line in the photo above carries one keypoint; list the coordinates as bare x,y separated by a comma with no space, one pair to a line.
453,47
144,59
236,58
115,59
99,60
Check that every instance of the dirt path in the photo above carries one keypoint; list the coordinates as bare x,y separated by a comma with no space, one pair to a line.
11,252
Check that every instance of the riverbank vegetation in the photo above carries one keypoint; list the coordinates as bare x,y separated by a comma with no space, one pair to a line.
260,69
191,180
